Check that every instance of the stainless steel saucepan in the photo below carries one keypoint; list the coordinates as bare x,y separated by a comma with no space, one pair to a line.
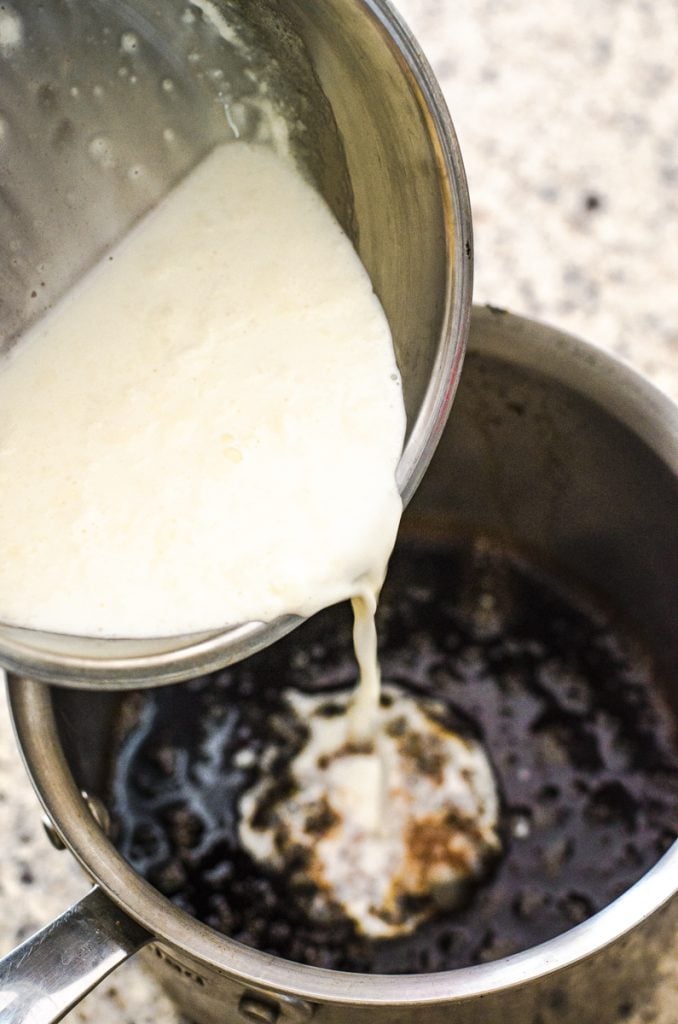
552,444
103,106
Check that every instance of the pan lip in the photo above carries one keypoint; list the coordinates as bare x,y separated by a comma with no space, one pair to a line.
628,397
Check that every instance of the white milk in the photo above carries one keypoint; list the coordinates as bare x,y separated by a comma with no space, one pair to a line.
206,430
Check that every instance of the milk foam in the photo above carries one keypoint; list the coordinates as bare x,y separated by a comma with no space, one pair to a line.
390,833
206,430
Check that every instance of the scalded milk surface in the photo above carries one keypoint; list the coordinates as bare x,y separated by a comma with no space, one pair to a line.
206,430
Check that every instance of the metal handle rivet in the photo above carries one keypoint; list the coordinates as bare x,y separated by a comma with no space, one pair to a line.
259,1013
98,810
52,834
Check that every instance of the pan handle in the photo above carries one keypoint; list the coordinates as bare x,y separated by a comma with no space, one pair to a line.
49,973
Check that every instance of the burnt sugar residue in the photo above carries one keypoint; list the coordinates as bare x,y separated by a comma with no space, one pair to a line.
406,832
582,749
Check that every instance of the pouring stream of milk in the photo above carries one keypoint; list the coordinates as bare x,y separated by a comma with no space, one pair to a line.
362,715
363,712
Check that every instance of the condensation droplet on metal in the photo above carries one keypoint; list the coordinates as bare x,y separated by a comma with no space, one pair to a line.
11,30
129,42
101,151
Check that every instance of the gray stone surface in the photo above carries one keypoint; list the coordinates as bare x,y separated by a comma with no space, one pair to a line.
567,115
568,119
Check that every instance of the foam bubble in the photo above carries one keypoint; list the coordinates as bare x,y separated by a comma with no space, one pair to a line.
101,151
11,31
129,42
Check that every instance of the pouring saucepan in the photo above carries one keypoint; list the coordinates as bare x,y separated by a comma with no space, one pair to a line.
377,139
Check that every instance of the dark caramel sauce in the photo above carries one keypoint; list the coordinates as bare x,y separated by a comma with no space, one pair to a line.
582,745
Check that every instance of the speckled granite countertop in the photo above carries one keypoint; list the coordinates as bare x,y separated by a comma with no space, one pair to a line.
567,115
